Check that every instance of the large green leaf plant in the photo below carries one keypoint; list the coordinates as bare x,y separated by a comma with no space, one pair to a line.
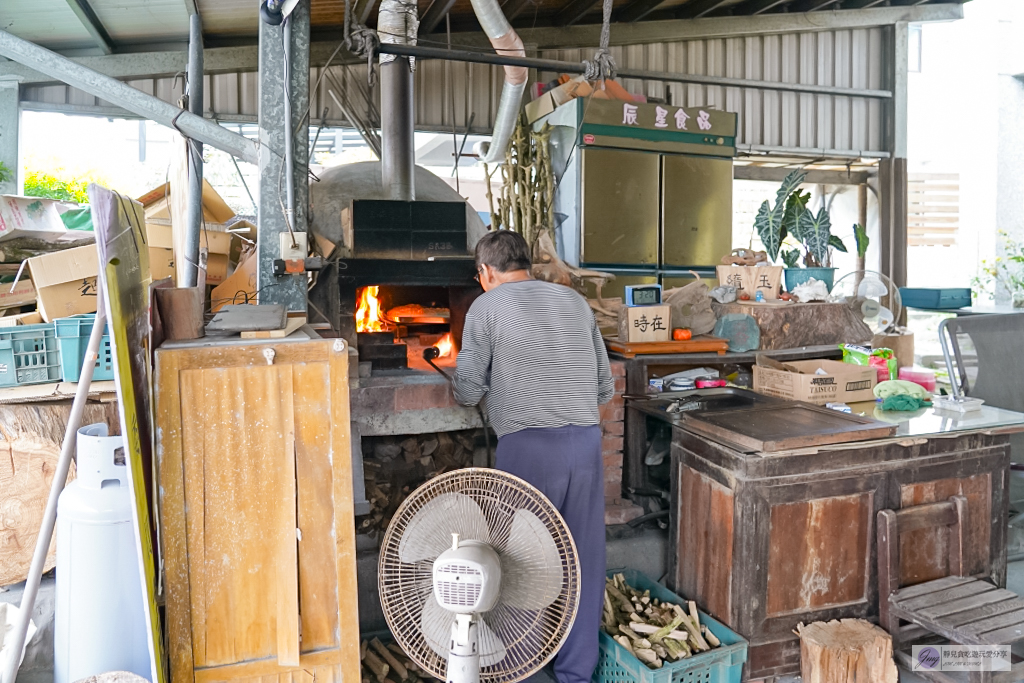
791,217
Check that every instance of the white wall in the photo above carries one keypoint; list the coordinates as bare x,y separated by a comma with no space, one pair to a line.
954,127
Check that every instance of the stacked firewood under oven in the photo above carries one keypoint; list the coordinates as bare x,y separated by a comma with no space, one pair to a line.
394,466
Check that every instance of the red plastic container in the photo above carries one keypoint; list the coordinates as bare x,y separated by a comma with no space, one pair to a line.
922,376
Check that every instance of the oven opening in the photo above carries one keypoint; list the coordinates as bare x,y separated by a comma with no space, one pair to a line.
395,323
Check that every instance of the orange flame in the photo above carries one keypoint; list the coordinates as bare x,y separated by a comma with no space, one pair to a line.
445,345
368,315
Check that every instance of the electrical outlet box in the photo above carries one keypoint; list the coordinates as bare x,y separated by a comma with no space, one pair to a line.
300,248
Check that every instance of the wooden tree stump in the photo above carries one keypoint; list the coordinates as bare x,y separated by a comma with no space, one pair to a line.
787,326
30,443
846,651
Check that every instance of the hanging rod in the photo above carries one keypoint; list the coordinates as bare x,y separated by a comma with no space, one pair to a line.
560,66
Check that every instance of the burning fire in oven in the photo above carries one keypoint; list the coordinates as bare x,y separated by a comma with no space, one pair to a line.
445,345
369,316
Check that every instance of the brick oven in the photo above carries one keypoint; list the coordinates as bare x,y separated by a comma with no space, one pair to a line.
404,282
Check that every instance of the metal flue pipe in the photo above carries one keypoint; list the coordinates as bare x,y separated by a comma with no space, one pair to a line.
126,97
398,24
195,153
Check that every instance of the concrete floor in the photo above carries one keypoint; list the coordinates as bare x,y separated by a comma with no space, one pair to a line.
644,551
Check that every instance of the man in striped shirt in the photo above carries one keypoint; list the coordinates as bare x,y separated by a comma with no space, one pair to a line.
534,351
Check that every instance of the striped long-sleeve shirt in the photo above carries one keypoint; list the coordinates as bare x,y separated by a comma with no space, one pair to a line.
534,350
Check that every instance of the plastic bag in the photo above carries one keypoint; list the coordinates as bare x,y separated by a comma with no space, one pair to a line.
884,360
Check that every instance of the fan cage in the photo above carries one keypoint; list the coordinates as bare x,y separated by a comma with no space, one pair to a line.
531,637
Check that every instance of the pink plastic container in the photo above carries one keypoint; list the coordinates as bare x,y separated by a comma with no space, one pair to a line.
922,376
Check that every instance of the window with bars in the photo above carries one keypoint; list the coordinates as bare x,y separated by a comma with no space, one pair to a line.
933,213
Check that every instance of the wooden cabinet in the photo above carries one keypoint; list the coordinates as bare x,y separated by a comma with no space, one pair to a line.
766,542
256,516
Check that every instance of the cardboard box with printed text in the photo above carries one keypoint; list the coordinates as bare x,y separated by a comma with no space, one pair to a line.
837,382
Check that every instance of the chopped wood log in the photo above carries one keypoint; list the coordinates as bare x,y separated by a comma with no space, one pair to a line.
374,664
389,657
846,651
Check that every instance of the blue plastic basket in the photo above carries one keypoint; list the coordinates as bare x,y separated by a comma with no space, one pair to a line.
28,355
721,665
73,339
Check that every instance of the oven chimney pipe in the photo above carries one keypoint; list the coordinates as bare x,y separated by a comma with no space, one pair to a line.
397,22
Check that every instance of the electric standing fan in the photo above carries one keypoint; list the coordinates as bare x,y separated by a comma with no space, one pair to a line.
871,296
479,577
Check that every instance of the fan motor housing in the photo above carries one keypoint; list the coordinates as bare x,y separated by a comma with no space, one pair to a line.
467,579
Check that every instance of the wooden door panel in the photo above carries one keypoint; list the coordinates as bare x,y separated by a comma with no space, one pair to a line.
924,553
816,557
257,513
318,566
247,568
704,545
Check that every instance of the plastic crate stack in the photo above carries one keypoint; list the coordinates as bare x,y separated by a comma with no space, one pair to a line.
51,352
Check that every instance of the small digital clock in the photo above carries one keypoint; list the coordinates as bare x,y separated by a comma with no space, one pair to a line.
643,295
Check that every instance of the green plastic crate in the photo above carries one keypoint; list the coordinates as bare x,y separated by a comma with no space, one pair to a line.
720,665
28,355
73,340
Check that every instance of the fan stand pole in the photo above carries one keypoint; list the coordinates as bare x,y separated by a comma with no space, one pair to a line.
464,657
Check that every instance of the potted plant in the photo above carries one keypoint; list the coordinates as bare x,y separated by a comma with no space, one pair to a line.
1006,271
813,231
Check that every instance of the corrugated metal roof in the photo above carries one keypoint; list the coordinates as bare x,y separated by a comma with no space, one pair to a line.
849,58
50,23
449,94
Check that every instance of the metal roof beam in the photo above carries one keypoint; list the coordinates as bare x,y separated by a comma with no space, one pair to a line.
637,10
123,95
810,5
434,15
573,12
673,30
244,58
757,6
861,4
695,9
513,8
817,177
92,24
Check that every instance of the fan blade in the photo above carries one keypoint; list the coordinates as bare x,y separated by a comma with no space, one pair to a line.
885,317
531,566
436,625
429,532
492,650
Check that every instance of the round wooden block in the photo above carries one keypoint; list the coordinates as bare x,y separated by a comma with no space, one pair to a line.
845,651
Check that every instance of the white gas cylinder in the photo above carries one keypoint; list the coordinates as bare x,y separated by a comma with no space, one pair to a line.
100,623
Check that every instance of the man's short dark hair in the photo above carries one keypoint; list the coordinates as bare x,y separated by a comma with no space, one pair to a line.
503,250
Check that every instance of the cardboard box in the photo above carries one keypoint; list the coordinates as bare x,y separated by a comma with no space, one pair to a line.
32,318
30,217
901,343
161,245
161,263
645,323
556,97
841,383
752,279
237,288
156,204
23,294
65,282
